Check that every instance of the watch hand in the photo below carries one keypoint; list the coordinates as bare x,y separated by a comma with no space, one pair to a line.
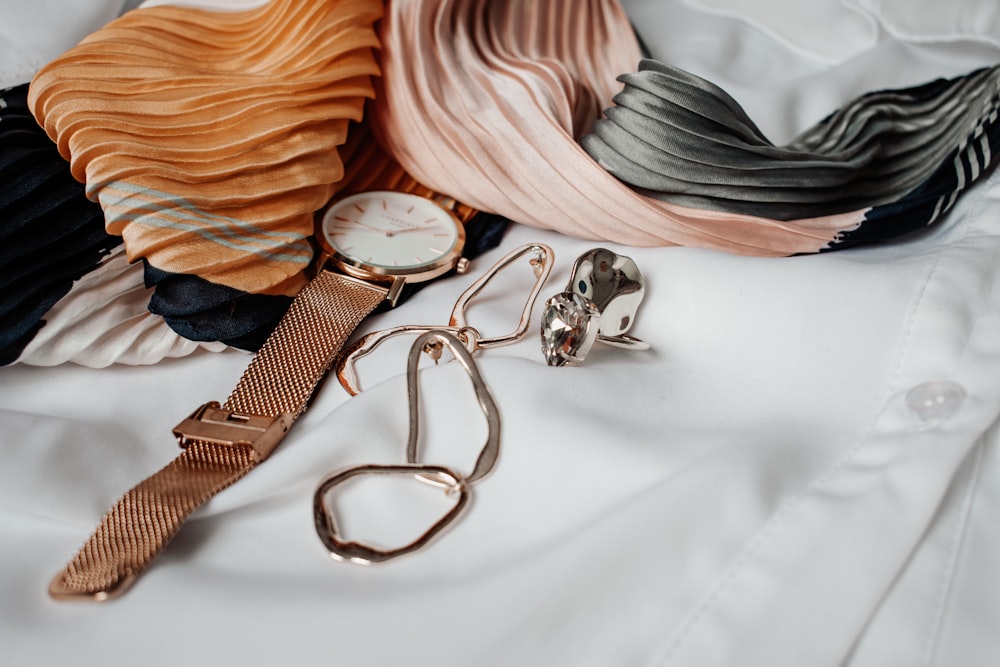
408,229
342,229
356,222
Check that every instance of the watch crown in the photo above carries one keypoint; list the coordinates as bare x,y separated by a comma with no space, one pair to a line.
462,266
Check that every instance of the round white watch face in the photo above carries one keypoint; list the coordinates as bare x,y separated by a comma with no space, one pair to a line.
393,231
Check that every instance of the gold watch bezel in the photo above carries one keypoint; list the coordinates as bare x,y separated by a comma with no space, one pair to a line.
357,268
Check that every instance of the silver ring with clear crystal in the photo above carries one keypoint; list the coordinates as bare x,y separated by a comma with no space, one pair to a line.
599,304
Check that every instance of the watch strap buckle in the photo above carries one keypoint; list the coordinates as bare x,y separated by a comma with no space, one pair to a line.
215,424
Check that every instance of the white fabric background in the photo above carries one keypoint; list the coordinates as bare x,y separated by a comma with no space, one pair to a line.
753,491
33,32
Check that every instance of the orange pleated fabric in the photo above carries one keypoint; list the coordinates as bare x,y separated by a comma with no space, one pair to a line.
211,138
487,100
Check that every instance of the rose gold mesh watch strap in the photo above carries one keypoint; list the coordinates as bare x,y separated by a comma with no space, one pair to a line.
286,371
146,518
275,388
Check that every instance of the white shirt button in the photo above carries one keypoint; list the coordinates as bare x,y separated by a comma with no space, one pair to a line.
934,402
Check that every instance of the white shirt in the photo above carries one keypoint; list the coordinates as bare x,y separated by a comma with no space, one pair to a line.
803,470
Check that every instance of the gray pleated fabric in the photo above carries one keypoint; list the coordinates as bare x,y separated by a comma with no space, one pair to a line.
682,139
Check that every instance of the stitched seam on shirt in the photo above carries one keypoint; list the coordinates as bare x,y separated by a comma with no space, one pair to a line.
772,525
936,625
720,588
975,214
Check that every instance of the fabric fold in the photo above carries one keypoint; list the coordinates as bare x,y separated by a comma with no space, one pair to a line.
50,234
210,138
496,113
105,320
681,139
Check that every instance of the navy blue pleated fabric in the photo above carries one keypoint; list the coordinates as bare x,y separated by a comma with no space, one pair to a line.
50,233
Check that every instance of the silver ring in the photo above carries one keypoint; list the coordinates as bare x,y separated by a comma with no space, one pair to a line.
599,304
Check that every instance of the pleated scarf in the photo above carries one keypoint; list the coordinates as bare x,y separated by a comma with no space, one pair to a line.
496,113
50,234
210,138
898,158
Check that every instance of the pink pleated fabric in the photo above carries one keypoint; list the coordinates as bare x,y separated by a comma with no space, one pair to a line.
486,101
210,138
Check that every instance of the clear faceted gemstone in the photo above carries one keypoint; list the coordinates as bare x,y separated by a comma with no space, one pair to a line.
569,327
